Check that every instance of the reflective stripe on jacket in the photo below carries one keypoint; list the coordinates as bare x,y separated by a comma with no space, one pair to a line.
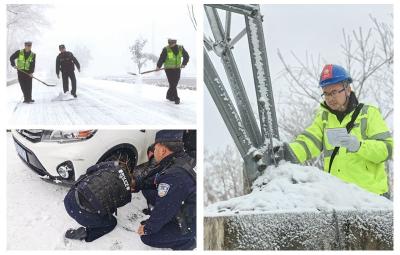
366,167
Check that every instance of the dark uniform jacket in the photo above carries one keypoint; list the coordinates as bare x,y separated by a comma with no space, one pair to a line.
65,62
176,188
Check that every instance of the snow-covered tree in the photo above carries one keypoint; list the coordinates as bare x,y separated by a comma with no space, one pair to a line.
139,57
83,54
24,22
223,171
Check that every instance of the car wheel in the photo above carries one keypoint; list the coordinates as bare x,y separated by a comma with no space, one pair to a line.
125,157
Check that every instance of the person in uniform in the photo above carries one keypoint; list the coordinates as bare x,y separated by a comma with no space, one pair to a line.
66,62
171,57
93,200
170,191
26,60
356,155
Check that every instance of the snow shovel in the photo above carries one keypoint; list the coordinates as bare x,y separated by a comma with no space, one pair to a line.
50,85
154,70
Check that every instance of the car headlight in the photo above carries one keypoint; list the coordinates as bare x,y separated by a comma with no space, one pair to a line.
67,136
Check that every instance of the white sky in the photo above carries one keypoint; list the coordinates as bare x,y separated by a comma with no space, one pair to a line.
298,28
109,29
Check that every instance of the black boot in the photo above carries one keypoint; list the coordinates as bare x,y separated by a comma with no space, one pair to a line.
76,234
177,100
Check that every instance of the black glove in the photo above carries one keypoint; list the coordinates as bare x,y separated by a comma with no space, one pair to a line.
284,152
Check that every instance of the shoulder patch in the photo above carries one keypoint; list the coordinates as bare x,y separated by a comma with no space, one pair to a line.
163,189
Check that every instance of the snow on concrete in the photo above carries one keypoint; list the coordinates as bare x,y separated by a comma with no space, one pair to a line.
295,188
101,102
36,217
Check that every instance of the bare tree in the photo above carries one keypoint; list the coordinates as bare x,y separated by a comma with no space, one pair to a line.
24,22
83,54
369,58
139,57
224,175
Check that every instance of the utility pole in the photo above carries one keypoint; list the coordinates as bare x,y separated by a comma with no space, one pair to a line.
253,140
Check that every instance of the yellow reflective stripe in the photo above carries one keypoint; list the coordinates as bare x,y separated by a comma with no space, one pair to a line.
363,127
389,149
304,145
328,153
293,155
364,110
381,136
315,140
324,116
324,122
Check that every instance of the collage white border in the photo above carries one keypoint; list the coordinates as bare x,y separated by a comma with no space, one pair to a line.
200,119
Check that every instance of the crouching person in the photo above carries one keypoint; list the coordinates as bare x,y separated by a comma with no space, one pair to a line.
94,198
170,191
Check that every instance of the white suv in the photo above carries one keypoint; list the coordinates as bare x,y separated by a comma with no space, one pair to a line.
62,156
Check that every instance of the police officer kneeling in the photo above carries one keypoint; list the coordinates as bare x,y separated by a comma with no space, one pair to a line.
95,197
170,190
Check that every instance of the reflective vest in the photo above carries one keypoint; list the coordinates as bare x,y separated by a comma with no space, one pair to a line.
22,63
366,167
173,61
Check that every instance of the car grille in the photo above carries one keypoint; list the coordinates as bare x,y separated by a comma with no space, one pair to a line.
31,160
33,135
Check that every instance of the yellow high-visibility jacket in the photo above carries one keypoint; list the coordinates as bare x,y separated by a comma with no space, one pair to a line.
366,167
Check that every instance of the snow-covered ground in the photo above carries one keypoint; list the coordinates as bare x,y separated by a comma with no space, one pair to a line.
296,188
36,217
101,102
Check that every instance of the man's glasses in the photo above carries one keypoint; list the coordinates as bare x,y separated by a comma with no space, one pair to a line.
334,93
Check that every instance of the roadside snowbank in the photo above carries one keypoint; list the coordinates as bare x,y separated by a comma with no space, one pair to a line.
294,188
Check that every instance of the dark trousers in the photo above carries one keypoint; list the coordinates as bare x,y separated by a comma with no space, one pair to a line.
25,81
70,75
170,235
173,76
95,224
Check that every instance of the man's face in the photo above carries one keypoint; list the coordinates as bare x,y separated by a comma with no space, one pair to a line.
335,96
159,152
171,43
28,47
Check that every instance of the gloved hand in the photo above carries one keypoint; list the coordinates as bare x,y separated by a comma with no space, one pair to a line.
350,142
283,152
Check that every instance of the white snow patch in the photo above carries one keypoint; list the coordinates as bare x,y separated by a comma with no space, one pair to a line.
101,102
294,188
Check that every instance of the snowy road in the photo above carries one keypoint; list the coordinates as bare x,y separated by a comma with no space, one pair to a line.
101,102
36,218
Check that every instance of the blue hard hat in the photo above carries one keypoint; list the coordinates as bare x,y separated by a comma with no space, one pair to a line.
332,74
169,136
